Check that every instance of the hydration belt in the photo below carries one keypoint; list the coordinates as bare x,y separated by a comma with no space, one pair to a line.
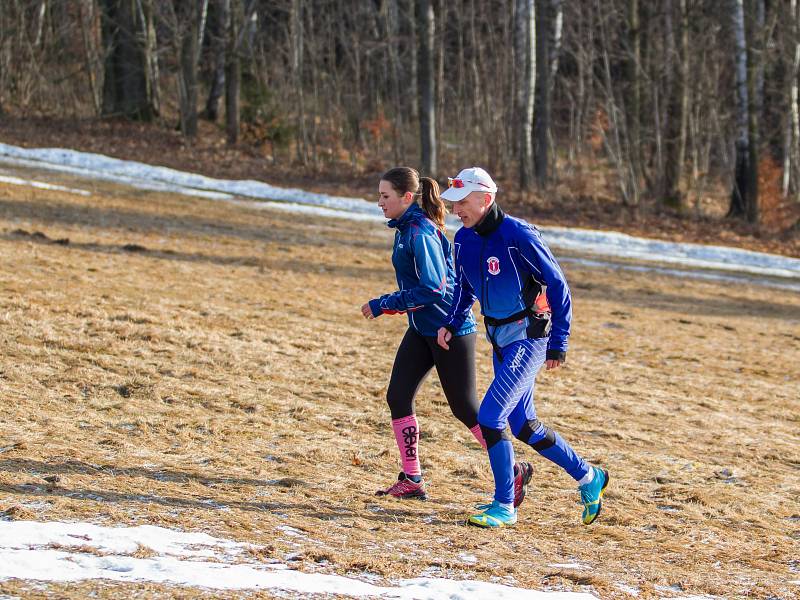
537,313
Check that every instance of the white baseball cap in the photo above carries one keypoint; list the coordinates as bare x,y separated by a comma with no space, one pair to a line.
473,179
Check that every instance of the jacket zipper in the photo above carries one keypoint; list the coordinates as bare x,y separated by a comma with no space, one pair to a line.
484,279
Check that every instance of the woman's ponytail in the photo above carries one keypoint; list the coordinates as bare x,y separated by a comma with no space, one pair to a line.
406,179
431,202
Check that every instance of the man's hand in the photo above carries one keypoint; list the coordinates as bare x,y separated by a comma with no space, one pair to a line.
367,311
552,364
443,336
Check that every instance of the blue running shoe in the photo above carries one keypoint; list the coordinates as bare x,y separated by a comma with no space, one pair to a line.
495,515
592,495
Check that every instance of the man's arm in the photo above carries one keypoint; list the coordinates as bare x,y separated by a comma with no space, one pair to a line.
463,298
545,268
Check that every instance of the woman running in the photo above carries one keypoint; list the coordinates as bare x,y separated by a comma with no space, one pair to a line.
423,264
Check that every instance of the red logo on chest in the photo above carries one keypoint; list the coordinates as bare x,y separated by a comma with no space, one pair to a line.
493,264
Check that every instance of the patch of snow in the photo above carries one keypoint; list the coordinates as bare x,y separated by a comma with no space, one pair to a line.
290,531
24,535
42,185
139,183
688,273
576,566
26,553
611,243
690,598
628,589
468,558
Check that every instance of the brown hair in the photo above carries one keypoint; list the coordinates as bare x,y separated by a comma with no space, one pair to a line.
406,179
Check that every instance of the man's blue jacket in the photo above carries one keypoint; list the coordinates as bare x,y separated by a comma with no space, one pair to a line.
495,261
423,263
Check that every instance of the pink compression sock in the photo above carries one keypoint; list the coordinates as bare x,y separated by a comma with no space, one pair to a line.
476,431
406,432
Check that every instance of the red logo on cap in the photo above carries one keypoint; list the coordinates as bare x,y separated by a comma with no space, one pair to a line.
493,263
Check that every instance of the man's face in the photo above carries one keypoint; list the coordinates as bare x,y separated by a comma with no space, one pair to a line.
472,208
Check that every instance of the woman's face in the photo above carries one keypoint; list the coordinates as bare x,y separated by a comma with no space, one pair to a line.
391,202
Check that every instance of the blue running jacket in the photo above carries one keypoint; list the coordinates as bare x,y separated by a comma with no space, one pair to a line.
423,263
494,267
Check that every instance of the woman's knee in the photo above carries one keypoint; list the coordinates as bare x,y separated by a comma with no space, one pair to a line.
465,412
400,405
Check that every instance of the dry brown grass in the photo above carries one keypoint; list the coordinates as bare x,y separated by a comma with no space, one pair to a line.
197,366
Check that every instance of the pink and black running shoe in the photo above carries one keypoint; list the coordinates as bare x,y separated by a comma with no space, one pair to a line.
523,472
405,488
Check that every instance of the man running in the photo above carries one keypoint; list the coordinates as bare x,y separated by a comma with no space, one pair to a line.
503,263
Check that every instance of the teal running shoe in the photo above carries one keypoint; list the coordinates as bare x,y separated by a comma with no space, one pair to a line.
592,495
494,515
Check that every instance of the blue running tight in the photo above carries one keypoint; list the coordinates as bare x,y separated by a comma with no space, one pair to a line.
509,400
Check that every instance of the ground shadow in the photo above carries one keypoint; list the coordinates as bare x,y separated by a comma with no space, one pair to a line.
266,263
56,213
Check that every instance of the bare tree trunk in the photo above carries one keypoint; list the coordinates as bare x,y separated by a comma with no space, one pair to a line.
556,35
616,143
426,85
188,18
127,87
150,53
87,17
441,7
413,11
544,91
41,11
744,196
526,43
633,99
390,27
791,165
675,115
233,71
220,17
556,32
296,60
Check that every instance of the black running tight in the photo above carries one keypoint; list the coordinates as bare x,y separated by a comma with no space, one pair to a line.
416,356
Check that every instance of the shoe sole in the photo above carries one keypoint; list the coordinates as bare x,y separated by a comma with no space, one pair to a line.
600,505
422,496
482,526
526,479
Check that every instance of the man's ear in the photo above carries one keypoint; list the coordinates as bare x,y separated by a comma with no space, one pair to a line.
487,200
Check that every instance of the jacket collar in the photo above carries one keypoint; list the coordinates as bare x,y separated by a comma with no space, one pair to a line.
403,220
491,221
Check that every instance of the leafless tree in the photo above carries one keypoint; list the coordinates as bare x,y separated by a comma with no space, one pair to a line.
425,72
526,75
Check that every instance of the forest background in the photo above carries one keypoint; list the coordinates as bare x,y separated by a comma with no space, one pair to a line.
676,118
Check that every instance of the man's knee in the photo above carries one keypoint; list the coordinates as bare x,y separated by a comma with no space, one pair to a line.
537,435
493,436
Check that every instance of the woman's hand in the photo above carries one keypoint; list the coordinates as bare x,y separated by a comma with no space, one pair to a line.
443,336
367,311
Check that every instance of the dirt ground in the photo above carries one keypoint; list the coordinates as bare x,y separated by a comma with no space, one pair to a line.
198,366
